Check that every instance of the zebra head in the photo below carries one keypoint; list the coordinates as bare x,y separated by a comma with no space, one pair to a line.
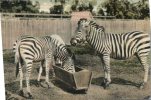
81,32
68,64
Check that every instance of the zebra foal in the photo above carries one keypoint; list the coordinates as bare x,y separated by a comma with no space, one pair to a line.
117,46
30,49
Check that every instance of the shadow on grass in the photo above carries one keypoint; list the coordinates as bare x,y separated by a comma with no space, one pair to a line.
99,81
14,86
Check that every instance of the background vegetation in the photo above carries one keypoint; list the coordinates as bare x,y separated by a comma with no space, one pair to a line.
121,9
18,6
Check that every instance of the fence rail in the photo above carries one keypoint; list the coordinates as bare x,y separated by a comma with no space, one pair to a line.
34,15
14,27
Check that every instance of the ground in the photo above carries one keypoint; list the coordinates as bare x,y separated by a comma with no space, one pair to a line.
126,77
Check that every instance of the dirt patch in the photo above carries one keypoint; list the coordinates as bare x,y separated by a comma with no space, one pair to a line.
126,77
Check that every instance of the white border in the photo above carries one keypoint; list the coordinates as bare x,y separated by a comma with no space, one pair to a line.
2,86
150,36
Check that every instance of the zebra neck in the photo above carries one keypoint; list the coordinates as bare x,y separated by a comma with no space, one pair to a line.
95,34
96,38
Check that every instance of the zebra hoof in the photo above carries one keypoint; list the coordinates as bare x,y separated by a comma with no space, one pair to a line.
21,93
38,84
43,84
106,86
143,85
29,96
50,85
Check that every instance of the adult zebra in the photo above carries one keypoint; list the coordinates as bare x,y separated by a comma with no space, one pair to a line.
118,46
30,49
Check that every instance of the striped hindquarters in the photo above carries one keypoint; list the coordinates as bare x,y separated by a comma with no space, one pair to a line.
125,45
33,48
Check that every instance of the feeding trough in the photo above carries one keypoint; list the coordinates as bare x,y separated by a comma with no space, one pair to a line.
80,80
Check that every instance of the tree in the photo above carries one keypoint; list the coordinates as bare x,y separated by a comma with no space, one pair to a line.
57,9
18,6
127,10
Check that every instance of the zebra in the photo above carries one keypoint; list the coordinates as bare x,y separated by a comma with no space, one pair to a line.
118,46
30,49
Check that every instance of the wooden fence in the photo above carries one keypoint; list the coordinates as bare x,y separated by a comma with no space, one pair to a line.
14,27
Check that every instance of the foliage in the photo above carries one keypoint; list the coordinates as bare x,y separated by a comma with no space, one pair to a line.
121,9
125,9
79,49
18,6
57,9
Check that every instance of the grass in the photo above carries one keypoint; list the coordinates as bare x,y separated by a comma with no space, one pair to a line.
126,76
133,61
8,56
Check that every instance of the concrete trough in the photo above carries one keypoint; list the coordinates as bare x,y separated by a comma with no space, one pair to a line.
80,80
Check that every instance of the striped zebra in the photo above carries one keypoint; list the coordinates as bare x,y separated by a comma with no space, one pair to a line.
30,49
117,46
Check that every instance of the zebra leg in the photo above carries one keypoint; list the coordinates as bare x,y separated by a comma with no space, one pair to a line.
105,72
143,60
21,93
40,72
52,70
39,75
28,72
48,66
106,60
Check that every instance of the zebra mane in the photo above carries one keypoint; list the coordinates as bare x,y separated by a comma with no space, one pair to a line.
93,23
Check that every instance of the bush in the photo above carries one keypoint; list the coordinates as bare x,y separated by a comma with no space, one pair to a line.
81,49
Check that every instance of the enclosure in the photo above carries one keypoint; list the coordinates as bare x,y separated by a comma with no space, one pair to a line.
125,75
13,27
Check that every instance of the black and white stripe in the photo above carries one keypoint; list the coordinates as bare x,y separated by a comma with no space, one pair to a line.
30,49
118,46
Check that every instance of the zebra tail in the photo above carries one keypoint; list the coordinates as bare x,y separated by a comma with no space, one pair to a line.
17,69
14,46
17,60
